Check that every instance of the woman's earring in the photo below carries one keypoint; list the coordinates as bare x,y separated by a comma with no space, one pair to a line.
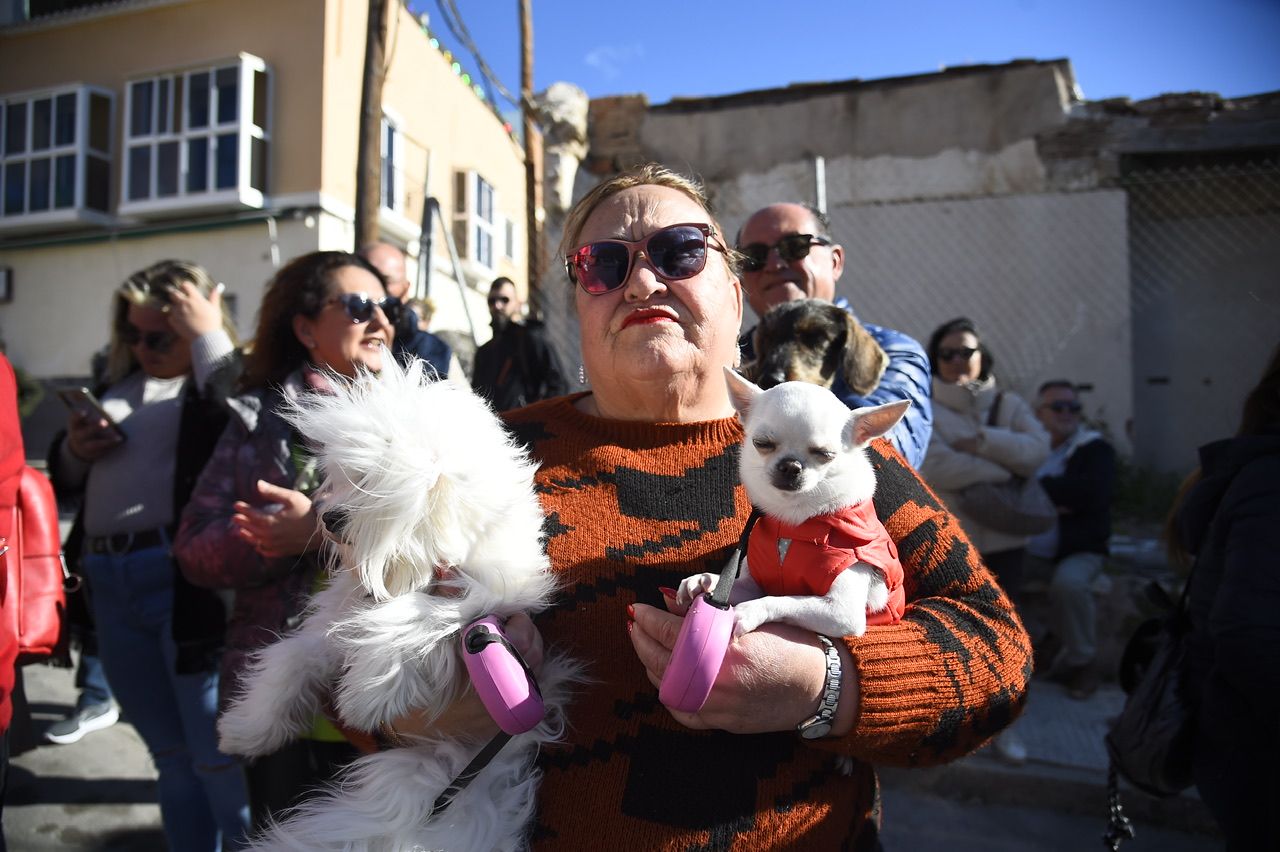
582,374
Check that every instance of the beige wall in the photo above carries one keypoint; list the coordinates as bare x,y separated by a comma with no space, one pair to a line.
62,293
110,49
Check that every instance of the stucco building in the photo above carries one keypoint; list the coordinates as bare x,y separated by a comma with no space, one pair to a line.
225,132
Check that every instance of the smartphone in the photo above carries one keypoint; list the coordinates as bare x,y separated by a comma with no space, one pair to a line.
83,401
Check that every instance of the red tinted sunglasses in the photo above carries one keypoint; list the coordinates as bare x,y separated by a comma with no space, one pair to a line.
675,252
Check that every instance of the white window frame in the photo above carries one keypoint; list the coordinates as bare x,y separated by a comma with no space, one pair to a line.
481,232
509,239
242,194
79,211
389,136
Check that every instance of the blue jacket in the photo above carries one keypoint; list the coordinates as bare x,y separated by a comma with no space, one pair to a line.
906,377
412,342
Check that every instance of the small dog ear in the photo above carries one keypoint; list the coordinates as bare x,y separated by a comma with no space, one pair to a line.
864,360
741,392
867,423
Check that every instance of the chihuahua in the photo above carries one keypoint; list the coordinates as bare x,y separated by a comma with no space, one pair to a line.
818,557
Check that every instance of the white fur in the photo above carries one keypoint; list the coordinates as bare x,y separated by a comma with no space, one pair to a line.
427,477
807,429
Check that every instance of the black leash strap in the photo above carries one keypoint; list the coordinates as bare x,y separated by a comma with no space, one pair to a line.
474,768
732,567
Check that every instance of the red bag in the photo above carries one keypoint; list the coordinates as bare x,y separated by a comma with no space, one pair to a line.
34,598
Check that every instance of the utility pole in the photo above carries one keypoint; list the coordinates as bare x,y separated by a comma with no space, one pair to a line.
532,157
369,146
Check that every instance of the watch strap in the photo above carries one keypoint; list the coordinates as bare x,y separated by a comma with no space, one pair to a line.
819,724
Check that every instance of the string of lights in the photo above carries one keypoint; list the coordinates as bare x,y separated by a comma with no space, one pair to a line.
453,21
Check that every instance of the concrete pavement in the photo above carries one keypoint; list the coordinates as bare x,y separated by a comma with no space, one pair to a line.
99,793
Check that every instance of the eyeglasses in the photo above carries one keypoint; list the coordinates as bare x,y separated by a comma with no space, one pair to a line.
964,353
1062,406
156,341
359,307
791,247
675,252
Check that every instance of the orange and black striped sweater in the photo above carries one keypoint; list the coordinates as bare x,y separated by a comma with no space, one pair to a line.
635,506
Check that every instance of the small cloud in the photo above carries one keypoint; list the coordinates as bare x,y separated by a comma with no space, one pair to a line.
609,59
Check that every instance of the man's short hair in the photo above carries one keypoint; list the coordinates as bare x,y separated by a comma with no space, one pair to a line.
820,219
1057,383
500,281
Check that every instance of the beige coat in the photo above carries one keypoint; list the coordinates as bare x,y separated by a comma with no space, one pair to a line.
1015,445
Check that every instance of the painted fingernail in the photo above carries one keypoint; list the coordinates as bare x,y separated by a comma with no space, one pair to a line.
631,612
631,625
667,593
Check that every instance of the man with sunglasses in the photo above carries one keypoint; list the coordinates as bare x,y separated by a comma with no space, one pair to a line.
410,340
1079,476
516,367
788,254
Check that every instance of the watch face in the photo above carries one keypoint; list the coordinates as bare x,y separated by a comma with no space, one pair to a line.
816,731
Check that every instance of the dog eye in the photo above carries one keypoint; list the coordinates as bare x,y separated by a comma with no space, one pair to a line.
764,446
824,454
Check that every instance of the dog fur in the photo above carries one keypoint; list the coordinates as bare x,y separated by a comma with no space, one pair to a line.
808,340
803,456
433,522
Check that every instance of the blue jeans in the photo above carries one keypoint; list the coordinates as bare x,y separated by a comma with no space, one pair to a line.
92,681
202,792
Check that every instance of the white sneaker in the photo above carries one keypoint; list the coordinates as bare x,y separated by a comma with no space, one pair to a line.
95,717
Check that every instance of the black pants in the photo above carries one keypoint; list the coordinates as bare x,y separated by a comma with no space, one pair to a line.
292,775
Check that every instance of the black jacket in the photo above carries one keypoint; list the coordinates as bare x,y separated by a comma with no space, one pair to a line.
1231,522
199,615
1084,489
517,368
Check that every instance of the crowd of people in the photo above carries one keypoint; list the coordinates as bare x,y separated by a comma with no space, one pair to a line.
199,542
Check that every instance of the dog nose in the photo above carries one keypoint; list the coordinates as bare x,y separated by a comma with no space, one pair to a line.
335,520
786,474
770,379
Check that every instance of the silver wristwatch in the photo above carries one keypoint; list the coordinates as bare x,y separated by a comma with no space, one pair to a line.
819,724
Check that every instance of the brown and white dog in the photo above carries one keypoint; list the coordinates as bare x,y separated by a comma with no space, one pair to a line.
809,340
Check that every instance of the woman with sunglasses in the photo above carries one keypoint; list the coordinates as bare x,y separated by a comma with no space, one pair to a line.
639,480
981,433
169,367
250,526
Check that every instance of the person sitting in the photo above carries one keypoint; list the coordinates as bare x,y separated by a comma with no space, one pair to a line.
516,367
639,481
980,434
169,368
1080,476
787,254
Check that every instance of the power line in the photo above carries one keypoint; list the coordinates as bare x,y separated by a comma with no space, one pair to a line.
453,20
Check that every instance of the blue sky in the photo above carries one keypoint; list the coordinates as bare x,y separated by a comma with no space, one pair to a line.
674,48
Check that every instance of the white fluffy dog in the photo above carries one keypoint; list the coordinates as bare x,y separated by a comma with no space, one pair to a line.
439,525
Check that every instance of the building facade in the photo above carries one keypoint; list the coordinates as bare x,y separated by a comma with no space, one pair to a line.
225,132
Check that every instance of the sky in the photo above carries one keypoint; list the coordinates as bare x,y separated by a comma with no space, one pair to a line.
693,48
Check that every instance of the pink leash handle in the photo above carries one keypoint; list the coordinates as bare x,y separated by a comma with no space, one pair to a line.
704,638
504,683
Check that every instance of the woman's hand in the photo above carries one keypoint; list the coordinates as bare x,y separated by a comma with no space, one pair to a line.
286,526
466,719
772,678
191,314
90,437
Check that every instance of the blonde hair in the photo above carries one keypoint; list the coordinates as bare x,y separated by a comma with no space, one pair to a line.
149,288
649,174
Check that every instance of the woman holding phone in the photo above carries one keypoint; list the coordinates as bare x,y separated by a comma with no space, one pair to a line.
170,363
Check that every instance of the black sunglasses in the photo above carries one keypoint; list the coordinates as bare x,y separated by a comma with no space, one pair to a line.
791,247
964,353
1062,406
359,307
675,252
156,341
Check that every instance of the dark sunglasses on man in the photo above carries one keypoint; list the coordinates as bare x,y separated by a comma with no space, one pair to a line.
1063,406
675,252
156,341
791,247
359,307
